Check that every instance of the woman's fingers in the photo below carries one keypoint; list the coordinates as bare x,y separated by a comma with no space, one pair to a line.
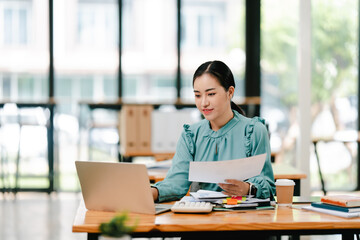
235,187
233,181
230,189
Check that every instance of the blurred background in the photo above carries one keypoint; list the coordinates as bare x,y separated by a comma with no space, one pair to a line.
58,56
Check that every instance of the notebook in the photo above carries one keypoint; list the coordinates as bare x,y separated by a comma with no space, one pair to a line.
116,187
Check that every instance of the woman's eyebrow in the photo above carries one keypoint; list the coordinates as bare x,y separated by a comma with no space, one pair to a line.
207,90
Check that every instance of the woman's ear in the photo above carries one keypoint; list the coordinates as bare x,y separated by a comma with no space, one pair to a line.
231,91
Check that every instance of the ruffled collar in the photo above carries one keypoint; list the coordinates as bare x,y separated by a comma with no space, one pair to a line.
222,131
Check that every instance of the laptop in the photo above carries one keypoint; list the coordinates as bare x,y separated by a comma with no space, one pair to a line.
115,187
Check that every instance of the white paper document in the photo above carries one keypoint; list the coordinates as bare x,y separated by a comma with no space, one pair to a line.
217,172
207,194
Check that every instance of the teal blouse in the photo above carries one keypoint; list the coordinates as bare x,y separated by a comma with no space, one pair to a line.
241,137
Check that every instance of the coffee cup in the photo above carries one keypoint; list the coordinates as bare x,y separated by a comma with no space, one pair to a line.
284,191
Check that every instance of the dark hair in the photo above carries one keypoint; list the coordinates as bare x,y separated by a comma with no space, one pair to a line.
222,73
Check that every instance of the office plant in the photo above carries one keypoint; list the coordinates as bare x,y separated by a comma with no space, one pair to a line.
117,228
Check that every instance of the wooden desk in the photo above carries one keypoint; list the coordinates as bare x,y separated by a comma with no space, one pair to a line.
250,223
280,171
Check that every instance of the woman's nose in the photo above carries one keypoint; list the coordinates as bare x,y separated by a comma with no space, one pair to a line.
204,102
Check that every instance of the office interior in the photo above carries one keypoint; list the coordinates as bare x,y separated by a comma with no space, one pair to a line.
68,67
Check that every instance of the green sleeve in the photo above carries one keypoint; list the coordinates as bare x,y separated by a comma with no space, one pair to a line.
260,144
176,183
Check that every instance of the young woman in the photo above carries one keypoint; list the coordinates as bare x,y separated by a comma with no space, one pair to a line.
224,134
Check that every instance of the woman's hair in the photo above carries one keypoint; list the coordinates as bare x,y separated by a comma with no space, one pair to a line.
222,73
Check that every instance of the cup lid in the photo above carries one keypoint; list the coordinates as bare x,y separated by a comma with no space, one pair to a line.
284,182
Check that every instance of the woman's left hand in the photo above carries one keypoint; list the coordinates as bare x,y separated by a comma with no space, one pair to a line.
234,187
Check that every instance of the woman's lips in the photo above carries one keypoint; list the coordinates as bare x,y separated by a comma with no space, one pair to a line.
207,111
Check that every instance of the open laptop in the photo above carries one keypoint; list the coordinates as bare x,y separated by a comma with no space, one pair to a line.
108,186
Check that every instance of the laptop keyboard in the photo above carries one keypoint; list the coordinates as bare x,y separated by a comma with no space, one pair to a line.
159,208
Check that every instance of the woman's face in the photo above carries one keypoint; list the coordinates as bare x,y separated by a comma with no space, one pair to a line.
212,100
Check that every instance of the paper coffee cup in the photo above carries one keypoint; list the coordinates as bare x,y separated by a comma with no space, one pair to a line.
284,191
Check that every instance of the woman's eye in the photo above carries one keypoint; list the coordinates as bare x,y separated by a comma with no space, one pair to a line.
211,94
197,96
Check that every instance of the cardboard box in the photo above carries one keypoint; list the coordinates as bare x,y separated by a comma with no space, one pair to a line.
127,129
144,128
135,129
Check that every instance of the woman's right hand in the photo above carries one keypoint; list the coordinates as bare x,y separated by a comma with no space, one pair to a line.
155,193
234,187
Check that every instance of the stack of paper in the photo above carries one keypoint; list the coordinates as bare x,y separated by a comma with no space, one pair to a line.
209,196
221,200
250,203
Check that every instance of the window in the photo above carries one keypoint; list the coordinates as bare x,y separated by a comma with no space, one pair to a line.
16,22
24,57
86,60
212,30
202,24
97,25
279,93
149,54
24,63
86,53
334,90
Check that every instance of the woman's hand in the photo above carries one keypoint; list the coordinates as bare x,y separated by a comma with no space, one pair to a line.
155,193
234,187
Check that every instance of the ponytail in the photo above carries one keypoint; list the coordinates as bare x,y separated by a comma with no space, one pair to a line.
237,108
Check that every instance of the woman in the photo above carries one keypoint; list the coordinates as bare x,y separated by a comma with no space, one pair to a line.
224,134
